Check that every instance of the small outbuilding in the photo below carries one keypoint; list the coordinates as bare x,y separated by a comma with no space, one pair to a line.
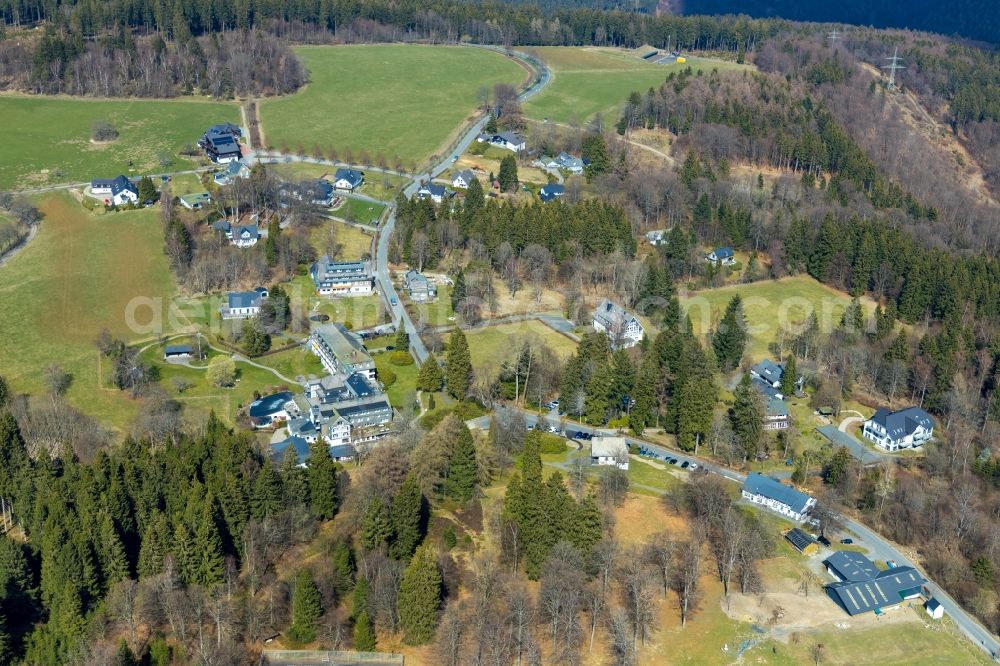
934,608
177,351
802,541
608,450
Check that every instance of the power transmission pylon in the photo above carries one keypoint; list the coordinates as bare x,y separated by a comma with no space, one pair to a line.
833,36
892,67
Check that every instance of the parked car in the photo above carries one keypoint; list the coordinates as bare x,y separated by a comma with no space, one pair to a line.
672,461
823,540
685,464
847,542
694,465
393,301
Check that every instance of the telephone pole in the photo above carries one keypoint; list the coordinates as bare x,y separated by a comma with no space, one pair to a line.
892,67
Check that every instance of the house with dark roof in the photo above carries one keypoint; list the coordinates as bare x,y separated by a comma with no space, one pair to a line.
234,169
221,147
507,140
318,192
118,191
769,372
348,179
272,409
243,304
776,496
343,452
245,235
419,287
434,191
721,256
622,328
226,128
802,541
342,278
908,428
463,179
934,608
865,588
551,192
776,416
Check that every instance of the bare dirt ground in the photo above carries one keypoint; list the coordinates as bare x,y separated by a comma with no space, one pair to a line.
790,610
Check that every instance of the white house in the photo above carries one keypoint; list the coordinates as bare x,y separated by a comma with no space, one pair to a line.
117,191
908,428
419,286
508,140
342,278
607,450
195,201
657,236
433,191
341,352
934,608
463,179
777,496
569,163
243,304
272,409
723,256
246,235
777,416
623,329
348,179
234,169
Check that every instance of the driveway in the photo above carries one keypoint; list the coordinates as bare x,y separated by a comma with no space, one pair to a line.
840,437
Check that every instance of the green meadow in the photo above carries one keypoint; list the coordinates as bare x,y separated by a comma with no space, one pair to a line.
53,144
396,100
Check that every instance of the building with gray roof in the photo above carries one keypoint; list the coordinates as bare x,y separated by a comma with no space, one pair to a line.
777,496
342,278
850,567
904,429
886,588
341,351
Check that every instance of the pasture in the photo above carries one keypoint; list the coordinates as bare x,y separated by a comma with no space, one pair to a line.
773,308
589,80
352,241
78,276
494,344
394,100
53,144
360,211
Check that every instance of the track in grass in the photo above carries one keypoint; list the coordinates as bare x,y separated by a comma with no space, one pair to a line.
392,99
52,142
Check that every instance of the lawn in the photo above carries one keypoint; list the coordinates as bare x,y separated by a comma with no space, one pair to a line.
494,343
52,142
354,243
78,276
363,212
357,313
295,362
437,312
771,306
403,392
400,101
588,80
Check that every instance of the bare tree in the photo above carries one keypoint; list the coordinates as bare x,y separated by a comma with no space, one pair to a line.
622,645
637,594
687,573
659,552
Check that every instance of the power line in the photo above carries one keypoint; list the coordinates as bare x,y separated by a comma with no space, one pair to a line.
892,67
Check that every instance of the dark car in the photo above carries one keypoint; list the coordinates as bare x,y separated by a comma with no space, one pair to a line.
685,464
847,542
672,461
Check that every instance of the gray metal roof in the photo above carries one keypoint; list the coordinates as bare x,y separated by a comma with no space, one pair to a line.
800,539
904,422
178,349
851,567
888,588
769,370
269,404
352,176
765,486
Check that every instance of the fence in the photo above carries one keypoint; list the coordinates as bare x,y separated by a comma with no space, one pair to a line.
331,657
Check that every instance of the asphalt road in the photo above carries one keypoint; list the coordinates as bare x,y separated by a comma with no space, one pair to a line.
878,547
382,277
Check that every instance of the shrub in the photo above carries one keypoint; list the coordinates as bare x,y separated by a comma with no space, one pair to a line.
387,376
400,357
449,538
102,130
551,444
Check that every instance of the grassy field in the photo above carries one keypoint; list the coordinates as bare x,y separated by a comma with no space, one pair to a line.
356,313
437,312
403,392
588,80
771,306
52,142
354,242
363,212
495,343
77,277
395,100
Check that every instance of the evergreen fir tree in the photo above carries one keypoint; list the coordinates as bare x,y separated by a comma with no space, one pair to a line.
307,608
208,557
294,478
114,565
147,190
359,600
748,417
595,152
409,519
458,291
124,655
789,377
430,379
376,524
364,635
462,468
155,543
459,362
475,198
730,340
420,597
265,498
643,412
323,492
402,340
598,389
586,525
507,176
343,566
696,401
4,392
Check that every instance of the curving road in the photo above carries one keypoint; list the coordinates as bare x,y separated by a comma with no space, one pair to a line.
399,315
879,548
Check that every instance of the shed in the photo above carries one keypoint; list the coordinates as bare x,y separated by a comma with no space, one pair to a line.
934,608
803,542
178,351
